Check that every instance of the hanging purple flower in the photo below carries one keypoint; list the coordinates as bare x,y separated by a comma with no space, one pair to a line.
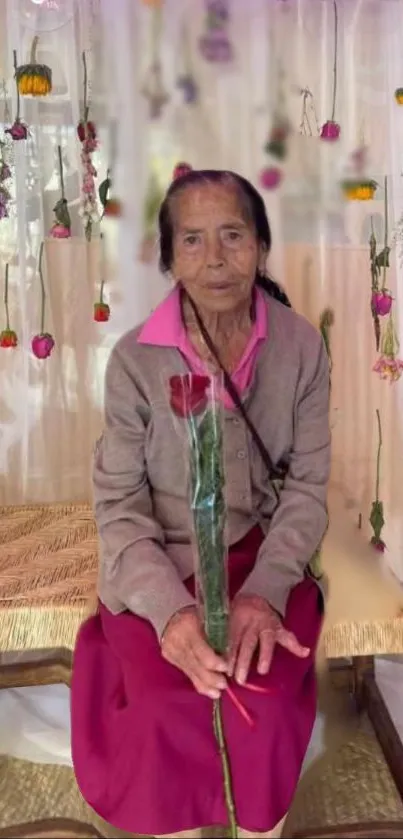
189,88
215,44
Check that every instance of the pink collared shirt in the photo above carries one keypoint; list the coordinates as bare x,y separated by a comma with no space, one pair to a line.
165,328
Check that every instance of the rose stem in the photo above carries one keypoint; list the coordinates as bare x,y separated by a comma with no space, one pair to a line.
378,457
59,151
6,299
335,60
17,119
386,234
229,801
42,289
86,107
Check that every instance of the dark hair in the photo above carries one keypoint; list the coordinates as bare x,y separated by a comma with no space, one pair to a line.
254,205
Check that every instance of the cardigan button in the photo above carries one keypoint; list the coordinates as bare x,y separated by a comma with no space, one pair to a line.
241,455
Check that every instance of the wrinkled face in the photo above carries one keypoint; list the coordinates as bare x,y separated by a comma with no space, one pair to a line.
216,252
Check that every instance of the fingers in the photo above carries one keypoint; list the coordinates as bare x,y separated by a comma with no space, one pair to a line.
247,647
288,640
185,647
267,640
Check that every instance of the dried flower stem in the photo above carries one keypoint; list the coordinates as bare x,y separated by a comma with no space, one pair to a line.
59,152
378,456
336,37
85,84
33,50
43,298
386,232
17,119
229,800
6,298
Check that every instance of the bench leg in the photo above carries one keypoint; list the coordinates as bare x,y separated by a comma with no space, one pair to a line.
363,668
368,698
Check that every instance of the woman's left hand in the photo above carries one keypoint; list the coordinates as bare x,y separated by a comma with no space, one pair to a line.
255,626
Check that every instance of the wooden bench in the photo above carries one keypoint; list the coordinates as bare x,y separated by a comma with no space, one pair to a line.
48,569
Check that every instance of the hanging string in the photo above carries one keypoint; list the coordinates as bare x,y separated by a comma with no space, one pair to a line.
59,153
336,36
43,298
15,63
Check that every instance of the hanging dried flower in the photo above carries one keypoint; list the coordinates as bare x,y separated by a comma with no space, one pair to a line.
389,366
399,95
215,44
376,519
308,114
379,262
87,135
5,175
326,321
331,128
34,79
186,81
43,343
18,130
62,226
153,87
358,187
271,177
153,200
102,311
112,207
8,337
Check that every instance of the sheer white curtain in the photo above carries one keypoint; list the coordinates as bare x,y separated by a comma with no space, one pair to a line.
320,246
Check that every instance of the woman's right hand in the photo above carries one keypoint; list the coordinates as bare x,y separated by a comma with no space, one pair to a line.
184,645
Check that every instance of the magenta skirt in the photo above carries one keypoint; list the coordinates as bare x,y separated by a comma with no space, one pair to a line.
144,751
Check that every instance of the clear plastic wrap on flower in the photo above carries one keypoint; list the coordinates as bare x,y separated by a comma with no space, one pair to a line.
195,400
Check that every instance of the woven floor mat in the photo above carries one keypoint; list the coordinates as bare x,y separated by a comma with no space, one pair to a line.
351,785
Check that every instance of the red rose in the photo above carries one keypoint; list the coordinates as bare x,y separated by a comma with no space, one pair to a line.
8,338
188,394
101,312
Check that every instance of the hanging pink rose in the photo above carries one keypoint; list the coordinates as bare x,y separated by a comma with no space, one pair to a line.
60,231
270,177
18,130
381,302
330,130
42,345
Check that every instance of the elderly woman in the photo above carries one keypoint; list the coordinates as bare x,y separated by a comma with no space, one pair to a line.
144,675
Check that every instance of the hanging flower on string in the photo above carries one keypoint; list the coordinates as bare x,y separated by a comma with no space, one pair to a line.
5,175
43,343
34,79
215,43
331,128
61,229
111,206
381,298
18,130
87,135
186,81
326,321
377,519
153,200
399,95
8,337
153,87
102,311
309,125
389,366
357,186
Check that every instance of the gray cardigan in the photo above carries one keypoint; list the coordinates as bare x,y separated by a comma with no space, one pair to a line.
140,474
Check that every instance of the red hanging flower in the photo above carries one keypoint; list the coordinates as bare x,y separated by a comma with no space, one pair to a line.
188,395
8,338
102,312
